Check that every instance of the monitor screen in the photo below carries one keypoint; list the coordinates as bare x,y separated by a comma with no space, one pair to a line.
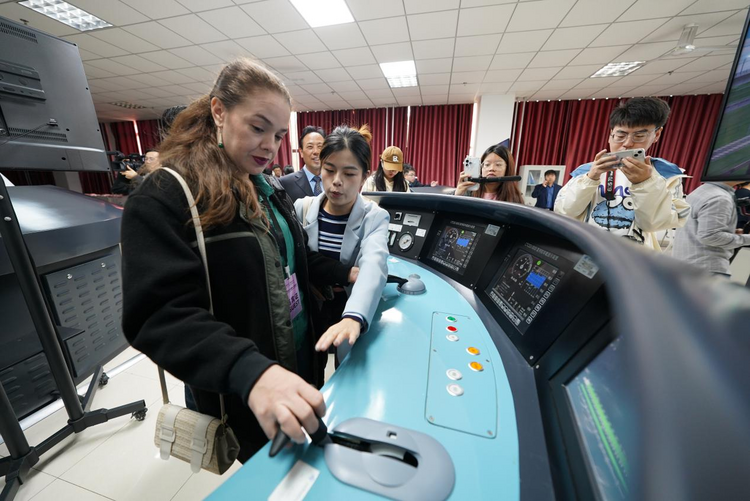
455,245
526,284
47,117
729,159
606,426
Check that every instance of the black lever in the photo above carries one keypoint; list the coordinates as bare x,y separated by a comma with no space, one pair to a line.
319,438
482,180
394,279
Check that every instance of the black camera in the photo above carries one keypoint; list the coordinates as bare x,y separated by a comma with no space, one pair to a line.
121,162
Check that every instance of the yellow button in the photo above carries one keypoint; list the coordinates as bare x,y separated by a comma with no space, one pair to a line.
472,351
476,366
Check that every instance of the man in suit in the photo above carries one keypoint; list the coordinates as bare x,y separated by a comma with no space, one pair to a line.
546,192
306,182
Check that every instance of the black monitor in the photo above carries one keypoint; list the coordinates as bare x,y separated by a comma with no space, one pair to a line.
729,155
47,117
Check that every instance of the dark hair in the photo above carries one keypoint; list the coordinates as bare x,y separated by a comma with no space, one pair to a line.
547,173
509,191
408,168
276,165
151,150
167,118
288,169
640,111
309,130
344,137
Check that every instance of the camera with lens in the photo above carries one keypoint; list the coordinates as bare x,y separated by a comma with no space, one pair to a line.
121,162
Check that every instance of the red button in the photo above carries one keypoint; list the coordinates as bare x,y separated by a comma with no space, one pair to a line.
450,328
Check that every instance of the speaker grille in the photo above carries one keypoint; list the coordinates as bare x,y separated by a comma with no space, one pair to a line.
38,134
15,31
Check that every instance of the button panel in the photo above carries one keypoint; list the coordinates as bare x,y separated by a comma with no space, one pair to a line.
472,351
454,374
451,328
455,390
452,338
476,366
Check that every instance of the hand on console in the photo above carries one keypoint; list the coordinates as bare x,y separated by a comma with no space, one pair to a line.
347,328
283,399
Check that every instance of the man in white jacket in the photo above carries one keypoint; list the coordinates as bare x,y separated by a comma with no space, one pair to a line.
631,198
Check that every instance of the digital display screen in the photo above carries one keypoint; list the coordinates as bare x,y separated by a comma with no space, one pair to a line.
526,285
455,246
605,421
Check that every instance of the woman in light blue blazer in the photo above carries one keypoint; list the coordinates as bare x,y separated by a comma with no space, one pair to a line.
342,224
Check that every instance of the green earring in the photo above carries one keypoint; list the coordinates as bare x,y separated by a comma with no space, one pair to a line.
221,140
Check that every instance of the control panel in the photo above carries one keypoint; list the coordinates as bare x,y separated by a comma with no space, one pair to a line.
407,231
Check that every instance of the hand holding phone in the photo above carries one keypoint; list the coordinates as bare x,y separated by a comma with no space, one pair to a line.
636,154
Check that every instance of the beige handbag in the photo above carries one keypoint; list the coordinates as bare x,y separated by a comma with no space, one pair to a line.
203,441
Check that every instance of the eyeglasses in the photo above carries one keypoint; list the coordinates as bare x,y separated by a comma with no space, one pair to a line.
638,137
499,163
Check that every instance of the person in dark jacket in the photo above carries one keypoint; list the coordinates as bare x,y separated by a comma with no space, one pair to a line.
743,191
546,192
257,347
306,182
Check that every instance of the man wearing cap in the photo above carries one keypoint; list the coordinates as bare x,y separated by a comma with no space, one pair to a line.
390,175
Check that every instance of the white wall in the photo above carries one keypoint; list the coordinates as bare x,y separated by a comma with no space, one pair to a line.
495,121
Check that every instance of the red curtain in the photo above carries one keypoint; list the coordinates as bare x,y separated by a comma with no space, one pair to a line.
149,132
29,178
439,139
571,133
284,156
125,141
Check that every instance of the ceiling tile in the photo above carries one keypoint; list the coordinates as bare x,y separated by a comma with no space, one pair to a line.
342,36
379,93
352,57
139,63
193,28
494,88
353,94
706,63
505,75
199,74
285,64
387,102
232,22
431,49
303,77
344,86
587,12
173,77
382,31
598,83
676,78
610,92
157,34
475,63
409,101
393,52
98,86
711,6
546,95
715,88
434,79
111,66
226,50
573,38
359,104
201,5
525,41
405,92
319,88
125,82
661,66
373,83
577,94
461,77
465,4
564,84
730,26
646,51
512,61
196,55
166,59
627,32
461,98
433,25
300,42
635,79
553,58
86,55
432,90
672,29
98,47
94,72
444,65
713,76
199,87
363,10
157,9
539,15
366,71
484,20
422,6
465,88
434,100
647,90
648,9
149,80
276,16
531,74
263,46
578,71
599,55
124,40
320,61
477,46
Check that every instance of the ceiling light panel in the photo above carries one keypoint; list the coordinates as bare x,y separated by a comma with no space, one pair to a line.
66,14
618,69
320,13
400,74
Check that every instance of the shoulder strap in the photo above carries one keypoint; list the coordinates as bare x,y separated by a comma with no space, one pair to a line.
202,248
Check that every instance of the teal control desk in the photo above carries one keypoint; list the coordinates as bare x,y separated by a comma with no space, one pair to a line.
540,360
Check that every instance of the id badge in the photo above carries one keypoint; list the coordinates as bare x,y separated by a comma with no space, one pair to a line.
292,292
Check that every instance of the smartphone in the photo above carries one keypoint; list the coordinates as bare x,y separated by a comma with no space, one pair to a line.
637,154
473,167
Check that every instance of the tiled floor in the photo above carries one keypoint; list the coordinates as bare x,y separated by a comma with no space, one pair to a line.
116,460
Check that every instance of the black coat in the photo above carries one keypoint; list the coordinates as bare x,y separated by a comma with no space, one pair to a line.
742,219
540,193
296,185
166,305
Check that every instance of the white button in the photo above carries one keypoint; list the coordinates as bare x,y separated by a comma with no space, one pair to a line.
454,374
451,337
455,390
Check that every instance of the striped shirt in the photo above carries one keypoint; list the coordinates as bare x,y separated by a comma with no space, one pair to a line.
331,233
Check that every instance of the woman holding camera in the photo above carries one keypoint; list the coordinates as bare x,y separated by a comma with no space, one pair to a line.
496,161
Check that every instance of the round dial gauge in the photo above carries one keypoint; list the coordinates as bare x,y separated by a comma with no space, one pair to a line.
522,266
405,241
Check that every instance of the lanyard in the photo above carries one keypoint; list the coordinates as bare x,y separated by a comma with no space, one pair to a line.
276,231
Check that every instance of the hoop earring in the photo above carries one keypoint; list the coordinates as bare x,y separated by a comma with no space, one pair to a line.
221,139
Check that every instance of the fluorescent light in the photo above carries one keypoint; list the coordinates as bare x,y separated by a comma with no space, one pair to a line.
400,74
618,69
67,14
319,13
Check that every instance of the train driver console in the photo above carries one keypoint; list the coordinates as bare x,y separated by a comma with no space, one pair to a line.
524,356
